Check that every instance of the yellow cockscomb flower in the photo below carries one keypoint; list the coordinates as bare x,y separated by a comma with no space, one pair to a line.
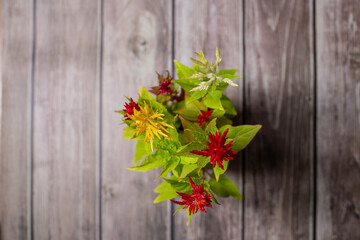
150,122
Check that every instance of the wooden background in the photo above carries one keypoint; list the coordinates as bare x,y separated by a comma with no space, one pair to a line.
67,64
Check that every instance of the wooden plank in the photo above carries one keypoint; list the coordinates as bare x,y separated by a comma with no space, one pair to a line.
15,124
338,119
66,120
279,95
203,25
137,42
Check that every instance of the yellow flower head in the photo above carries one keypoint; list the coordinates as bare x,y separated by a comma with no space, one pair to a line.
148,121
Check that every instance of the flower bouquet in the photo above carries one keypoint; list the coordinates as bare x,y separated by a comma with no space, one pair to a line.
185,128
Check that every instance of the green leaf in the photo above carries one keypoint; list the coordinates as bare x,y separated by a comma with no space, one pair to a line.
202,162
182,186
218,113
165,191
187,84
174,134
212,100
197,94
177,171
183,139
129,133
214,199
152,161
230,76
224,187
193,132
165,144
228,106
189,114
196,136
218,189
180,207
188,216
218,171
165,196
144,94
170,164
227,71
186,151
191,159
195,104
158,107
183,71
223,121
187,125
187,169
211,127
142,149
241,135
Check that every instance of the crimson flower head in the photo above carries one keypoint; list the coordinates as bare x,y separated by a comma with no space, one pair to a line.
204,117
129,108
217,149
195,201
164,85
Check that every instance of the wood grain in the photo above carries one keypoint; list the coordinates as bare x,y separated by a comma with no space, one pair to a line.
137,42
66,120
16,120
204,25
279,95
338,119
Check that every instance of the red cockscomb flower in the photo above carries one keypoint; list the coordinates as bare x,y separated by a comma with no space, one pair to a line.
164,85
195,201
217,150
204,117
129,108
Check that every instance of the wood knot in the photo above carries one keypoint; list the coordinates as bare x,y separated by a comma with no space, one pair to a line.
108,192
138,45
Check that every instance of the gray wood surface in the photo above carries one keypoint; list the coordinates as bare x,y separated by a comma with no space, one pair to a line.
279,83
66,120
137,42
338,119
15,121
90,53
204,25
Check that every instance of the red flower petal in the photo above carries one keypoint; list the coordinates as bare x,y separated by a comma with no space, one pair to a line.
204,117
195,201
217,150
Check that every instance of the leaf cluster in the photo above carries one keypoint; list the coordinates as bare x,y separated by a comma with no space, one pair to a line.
174,154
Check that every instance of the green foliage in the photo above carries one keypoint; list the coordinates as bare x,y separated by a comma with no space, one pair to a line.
142,149
218,171
182,71
190,114
187,168
224,187
169,165
228,106
211,127
165,191
129,133
183,149
241,135
213,100
155,160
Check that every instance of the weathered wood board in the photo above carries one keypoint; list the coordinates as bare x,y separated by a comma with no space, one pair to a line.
66,120
15,152
205,25
338,119
279,80
137,42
